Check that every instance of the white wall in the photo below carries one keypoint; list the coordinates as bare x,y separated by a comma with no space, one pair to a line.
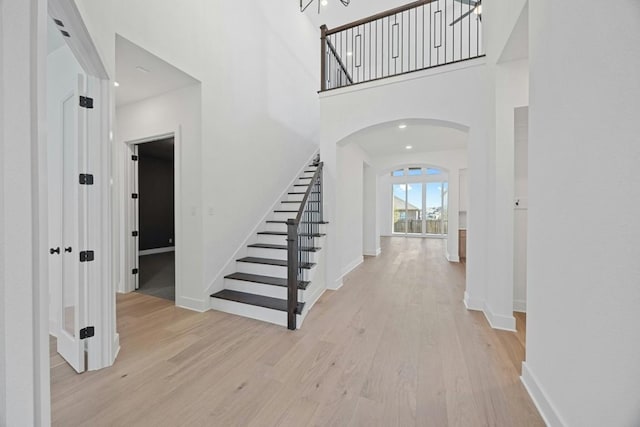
351,159
583,290
3,331
452,161
62,81
371,222
521,163
179,110
24,361
511,91
259,103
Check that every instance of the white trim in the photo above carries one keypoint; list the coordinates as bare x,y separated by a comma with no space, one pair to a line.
450,258
473,304
115,347
475,62
337,285
503,323
374,254
192,304
547,411
230,266
157,251
520,305
348,269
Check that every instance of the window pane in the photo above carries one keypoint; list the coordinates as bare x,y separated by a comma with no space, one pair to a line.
445,208
415,171
433,171
414,208
399,208
434,208
399,172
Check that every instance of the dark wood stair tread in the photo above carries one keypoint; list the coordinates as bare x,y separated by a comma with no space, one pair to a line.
271,261
267,280
284,233
276,221
257,300
281,247
285,211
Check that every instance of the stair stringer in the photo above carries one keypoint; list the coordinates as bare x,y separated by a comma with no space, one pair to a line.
229,267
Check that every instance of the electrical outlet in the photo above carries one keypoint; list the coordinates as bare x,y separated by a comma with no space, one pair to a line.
170,240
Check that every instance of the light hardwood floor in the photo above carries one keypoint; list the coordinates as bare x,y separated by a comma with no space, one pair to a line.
393,347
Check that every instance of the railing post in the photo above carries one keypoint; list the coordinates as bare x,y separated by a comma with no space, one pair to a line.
292,273
323,58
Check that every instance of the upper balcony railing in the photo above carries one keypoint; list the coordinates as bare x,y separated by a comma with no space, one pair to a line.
420,35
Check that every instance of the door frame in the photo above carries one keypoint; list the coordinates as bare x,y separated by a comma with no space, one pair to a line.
130,245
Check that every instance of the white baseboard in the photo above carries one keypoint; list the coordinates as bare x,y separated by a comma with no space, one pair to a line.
454,258
157,251
337,285
498,321
473,303
192,304
376,253
539,397
520,305
505,323
115,348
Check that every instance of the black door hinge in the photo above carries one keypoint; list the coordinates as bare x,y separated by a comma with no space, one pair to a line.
134,196
134,271
87,332
86,179
134,233
86,256
86,102
134,158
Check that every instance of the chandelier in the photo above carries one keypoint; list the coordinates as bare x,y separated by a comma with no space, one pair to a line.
304,4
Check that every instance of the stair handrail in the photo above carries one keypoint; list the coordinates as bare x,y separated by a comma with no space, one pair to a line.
305,225
362,52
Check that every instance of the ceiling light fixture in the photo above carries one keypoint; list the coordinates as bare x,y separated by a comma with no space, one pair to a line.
116,84
409,147
142,69
402,126
304,4
349,53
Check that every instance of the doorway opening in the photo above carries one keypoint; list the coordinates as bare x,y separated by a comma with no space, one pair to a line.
154,186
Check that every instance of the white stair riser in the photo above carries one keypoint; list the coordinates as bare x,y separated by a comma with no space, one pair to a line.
254,312
266,270
283,216
309,174
271,239
267,253
295,197
260,289
270,226
275,254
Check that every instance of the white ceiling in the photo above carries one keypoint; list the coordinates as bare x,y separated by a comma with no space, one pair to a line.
335,14
388,139
136,85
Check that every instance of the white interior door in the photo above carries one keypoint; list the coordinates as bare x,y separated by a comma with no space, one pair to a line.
74,214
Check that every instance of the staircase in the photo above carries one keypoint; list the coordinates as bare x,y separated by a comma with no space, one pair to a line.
279,279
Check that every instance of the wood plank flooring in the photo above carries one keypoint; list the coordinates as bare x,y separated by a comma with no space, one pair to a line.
394,347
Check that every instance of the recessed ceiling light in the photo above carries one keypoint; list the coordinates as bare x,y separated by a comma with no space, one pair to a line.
409,147
349,53
324,2
142,69
402,126
116,84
